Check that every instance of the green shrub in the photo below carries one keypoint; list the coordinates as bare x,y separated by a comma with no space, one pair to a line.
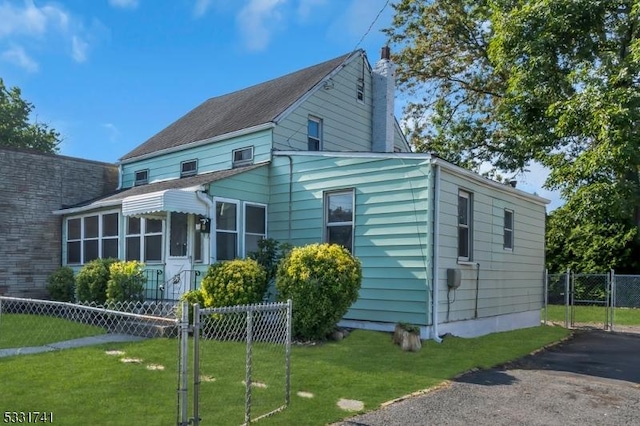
323,281
192,297
126,282
269,254
91,281
236,282
62,284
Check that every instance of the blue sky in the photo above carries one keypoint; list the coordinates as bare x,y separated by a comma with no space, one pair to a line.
109,74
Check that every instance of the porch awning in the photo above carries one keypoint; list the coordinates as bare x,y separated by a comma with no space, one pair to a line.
169,200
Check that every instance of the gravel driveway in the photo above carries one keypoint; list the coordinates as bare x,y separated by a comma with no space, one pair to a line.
591,379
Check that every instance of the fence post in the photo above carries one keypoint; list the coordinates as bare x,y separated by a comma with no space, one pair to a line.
247,408
196,364
184,348
545,302
566,298
287,354
612,300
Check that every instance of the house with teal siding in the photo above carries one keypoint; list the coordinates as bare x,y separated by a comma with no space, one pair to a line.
318,156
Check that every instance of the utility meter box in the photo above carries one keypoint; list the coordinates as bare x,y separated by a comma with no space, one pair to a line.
453,278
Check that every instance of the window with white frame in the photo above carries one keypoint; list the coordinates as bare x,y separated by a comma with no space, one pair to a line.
508,229
91,237
226,229
338,212
242,156
314,134
465,229
143,240
141,177
255,226
188,168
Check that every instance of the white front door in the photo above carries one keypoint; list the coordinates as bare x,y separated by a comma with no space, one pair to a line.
179,264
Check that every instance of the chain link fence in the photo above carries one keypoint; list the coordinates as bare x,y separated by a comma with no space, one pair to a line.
28,324
608,301
247,348
627,291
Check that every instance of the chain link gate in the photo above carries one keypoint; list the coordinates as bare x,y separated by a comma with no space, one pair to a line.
590,301
234,348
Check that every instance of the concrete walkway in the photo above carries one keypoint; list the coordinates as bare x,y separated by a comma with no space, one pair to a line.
67,344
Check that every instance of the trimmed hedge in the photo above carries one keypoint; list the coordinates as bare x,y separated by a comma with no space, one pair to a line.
323,281
235,282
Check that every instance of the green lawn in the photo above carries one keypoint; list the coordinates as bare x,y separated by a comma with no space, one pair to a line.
595,314
87,386
21,330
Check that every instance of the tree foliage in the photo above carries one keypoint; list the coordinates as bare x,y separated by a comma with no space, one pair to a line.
15,129
553,81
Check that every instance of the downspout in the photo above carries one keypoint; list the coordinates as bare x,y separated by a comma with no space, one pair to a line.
204,197
475,313
436,242
290,197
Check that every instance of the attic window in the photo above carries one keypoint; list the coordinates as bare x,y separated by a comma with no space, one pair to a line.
142,177
314,134
242,156
360,90
188,168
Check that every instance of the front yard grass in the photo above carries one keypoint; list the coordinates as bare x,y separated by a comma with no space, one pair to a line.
594,315
86,386
24,330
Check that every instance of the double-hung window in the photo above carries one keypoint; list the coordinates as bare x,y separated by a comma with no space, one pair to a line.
338,212
91,237
465,228
508,230
255,226
226,229
314,134
143,239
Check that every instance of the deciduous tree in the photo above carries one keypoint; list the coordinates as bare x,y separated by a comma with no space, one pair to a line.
16,130
513,81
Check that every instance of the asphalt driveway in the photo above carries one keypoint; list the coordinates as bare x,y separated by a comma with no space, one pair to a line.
591,379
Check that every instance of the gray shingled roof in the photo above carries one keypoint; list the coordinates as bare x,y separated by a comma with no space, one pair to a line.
239,110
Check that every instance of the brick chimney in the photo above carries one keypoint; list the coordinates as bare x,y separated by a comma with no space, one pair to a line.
383,92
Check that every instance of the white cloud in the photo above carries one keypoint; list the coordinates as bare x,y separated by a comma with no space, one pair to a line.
30,19
45,27
124,4
17,56
79,49
257,20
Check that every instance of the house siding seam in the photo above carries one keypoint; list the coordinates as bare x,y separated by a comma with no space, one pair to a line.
32,185
392,233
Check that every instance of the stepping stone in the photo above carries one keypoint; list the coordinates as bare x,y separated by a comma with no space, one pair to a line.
207,379
351,405
155,367
256,384
305,394
131,360
114,353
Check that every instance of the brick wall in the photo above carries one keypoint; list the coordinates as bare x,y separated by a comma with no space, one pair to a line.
32,185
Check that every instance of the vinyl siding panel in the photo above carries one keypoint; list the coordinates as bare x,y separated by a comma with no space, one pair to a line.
249,186
509,281
391,233
346,122
211,157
